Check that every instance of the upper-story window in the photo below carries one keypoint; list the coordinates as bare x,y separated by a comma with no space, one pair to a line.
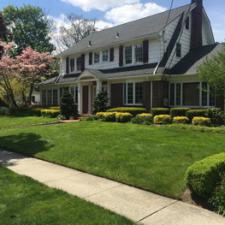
72,65
128,54
79,64
105,55
178,50
96,57
139,53
187,23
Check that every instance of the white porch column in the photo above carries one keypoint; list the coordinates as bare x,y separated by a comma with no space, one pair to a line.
98,86
79,98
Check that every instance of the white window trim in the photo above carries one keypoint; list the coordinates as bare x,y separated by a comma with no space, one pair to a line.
138,45
99,61
132,54
107,56
134,94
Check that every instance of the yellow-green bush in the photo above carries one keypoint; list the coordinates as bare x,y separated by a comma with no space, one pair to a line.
180,120
106,116
52,113
201,121
123,117
133,110
162,119
143,118
160,111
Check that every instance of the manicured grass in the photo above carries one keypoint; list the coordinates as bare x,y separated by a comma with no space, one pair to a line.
150,157
26,202
14,121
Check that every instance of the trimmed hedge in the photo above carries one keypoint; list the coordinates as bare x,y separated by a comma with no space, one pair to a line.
106,116
144,118
196,113
162,119
216,115
201,121
180,120
123,117
4,111
133,110
203,176
160,111
178,111
52,113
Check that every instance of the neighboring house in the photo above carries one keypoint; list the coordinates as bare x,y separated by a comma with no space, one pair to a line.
150,62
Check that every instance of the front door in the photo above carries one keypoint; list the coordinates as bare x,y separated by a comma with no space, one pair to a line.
85,99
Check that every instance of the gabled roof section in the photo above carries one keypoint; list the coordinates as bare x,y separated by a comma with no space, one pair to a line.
141,28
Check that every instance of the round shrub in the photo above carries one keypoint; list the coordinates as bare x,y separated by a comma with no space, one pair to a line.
201,121
217,116
162,119
123,117
143,118
106,116
180,120
196,113
133,110
4,111
178,111
203,176
160,111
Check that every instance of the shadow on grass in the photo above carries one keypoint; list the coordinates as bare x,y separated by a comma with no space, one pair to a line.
25,143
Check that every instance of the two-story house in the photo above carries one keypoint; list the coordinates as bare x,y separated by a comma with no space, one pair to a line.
150,62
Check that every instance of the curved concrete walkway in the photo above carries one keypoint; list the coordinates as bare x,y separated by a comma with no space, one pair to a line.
140,206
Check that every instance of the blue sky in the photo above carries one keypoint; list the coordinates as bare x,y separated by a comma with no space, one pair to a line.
111,12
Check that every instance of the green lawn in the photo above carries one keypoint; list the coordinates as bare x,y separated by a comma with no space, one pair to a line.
26,202
13,121
153,158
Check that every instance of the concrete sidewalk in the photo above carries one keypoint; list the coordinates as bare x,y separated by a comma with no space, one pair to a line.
140,206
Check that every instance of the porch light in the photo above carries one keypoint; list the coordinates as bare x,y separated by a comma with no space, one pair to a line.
89,44
117,35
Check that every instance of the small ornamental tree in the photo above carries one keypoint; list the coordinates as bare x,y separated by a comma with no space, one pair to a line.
101,101
34,67
67,106
8,71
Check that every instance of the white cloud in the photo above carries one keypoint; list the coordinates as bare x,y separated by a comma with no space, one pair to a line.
101,24
102,5
131,12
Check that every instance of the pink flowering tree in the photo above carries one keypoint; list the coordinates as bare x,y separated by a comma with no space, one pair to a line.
33,68
8,72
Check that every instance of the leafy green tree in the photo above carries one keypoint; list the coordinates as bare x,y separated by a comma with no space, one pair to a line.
30,28
212,71
100,103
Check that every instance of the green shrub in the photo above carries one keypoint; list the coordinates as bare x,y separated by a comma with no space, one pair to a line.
203,176
133,110
178,111
51,113
201,121
162,119
106,116
4,111
67,106
196,113
180,120
217,201
123,117
143,118
100,102
216,115
160,111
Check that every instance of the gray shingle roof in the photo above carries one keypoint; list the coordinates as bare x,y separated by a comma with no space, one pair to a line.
147,26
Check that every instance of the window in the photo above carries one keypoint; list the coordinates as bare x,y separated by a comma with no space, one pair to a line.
79,64
133,93
178,50
204,94
187,23
72,65
139,53
111,54
55,97
105,55
178,94
128,55
43,98
49,97
172,92
96,57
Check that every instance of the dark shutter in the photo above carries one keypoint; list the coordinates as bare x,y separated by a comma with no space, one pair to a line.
90,58
67,65
111,54
121,56
82,62
145,51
